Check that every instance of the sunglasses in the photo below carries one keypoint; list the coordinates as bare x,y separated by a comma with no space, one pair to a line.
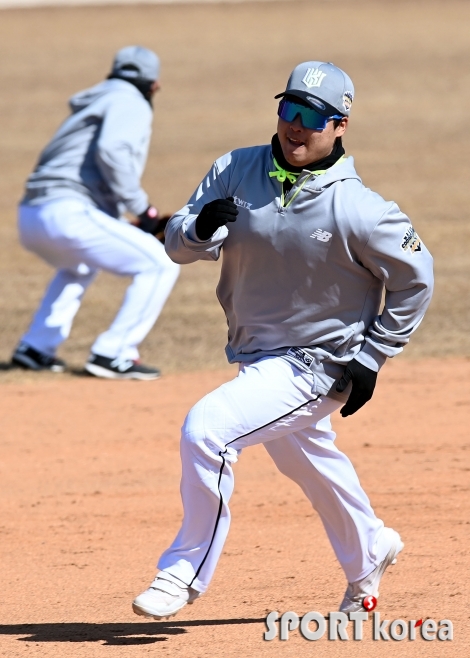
310,118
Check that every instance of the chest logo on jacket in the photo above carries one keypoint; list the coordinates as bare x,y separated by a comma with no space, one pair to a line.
243,204
322,236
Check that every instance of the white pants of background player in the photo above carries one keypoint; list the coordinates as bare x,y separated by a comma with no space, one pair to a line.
80,240
270,402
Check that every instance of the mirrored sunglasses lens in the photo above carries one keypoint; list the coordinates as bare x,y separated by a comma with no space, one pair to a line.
309,117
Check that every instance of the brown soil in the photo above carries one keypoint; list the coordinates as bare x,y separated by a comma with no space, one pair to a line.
89,499
90,469
221,66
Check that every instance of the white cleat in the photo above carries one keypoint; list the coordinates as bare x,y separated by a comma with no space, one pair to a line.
369,585
164,598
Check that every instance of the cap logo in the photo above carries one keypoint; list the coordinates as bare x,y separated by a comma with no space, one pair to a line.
313,78
316,102
347,100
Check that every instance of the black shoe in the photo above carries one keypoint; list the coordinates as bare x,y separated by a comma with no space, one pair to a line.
27,357
101,366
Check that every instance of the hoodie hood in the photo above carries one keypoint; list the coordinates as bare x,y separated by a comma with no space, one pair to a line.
342,170
98,153
84,98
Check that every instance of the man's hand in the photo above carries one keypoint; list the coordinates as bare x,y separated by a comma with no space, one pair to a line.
363,384
147,221
151,222
214,215
161,225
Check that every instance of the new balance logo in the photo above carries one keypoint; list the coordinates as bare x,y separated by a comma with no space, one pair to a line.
313,78
122,366
243,204
323,236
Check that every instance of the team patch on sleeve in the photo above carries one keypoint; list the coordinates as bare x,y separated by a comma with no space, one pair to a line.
411,241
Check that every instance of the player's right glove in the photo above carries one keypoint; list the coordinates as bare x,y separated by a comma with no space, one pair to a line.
214,215
363,384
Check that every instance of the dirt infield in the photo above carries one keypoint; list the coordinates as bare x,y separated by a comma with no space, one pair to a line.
90,469
90,498
221,66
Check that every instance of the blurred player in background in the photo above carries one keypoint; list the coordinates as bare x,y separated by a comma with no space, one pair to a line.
86,178
307,252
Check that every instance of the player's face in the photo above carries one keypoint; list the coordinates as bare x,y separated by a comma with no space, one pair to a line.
301,146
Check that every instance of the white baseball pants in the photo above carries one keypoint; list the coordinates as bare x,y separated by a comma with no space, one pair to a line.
270,402
79,240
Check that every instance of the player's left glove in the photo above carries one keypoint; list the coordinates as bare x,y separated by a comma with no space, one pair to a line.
160,229
151,222
363,384
147,221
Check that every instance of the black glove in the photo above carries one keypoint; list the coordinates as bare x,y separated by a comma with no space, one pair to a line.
363,384
214,215
147,221
161,226
151,222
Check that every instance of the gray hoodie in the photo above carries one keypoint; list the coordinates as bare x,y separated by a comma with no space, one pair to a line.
308,271
99,152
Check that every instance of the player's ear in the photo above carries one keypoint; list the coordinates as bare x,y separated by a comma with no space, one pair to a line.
341,126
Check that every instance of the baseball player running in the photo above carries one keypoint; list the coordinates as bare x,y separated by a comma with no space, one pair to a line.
307,252
86,177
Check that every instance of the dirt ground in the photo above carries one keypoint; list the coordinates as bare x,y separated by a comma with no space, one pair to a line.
90,468
90,498
221,67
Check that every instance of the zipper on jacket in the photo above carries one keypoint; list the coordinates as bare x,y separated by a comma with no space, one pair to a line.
287,202
281,175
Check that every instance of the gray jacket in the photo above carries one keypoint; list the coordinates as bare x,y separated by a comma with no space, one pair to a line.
99,152
308,271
